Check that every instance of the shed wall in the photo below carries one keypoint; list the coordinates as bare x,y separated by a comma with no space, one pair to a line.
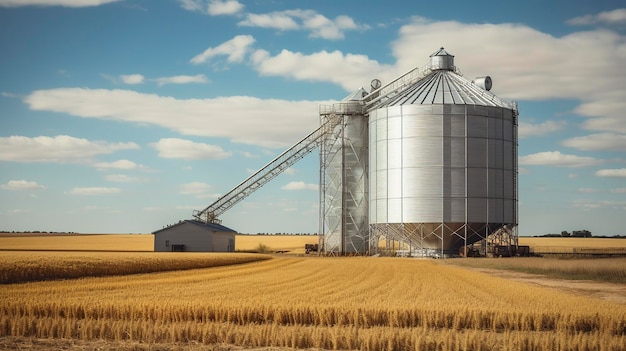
223,242
194,238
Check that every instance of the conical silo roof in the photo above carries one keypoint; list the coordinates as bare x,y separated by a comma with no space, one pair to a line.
444,87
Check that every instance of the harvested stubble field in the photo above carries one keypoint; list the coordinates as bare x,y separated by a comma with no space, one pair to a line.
326,303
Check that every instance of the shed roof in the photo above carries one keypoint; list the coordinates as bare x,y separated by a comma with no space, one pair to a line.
214,227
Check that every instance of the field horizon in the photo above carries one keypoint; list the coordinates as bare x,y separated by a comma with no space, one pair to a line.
289,243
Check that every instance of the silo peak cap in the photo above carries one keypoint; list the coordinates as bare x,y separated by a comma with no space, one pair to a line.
442,60
441,52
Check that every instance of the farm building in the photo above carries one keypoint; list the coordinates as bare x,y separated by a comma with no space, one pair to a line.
195,236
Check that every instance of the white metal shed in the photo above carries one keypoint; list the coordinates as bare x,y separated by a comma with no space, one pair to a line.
195,236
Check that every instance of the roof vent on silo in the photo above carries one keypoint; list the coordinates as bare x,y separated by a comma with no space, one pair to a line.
442,60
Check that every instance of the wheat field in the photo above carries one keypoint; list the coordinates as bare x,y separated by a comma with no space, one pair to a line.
78,242
574,245
28,266
362,303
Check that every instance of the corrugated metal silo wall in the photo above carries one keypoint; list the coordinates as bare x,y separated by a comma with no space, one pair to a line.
344,202
441,175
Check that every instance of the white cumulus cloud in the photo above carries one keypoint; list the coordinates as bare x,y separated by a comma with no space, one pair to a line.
227,7
95,191
605,112
22,185
617,16
598,142
557,159
182,79
213,7
265,122
193,5
189,150
235,49
347,70
132,78
66,3
119,164
300,186
275,20
619,172
527,130
319,26
58,149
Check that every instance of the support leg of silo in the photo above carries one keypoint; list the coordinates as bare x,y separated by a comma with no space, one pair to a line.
465,240
442,231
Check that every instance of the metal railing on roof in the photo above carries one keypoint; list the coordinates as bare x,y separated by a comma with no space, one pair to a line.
342,108
397,85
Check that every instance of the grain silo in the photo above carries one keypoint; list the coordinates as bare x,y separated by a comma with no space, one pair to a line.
442,162
343,173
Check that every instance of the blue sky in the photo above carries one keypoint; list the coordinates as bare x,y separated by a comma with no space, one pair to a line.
123,116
